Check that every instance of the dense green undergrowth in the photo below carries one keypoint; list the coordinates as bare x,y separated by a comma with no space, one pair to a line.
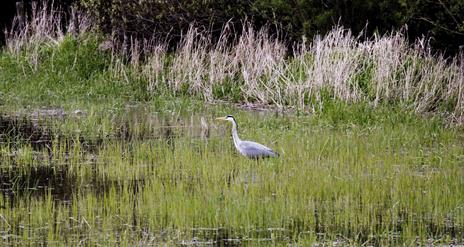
75,73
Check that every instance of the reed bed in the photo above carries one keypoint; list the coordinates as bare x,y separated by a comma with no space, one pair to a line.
258,68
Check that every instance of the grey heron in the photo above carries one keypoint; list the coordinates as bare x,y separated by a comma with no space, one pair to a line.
248,149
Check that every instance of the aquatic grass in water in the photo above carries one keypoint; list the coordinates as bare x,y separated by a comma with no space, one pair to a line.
381,183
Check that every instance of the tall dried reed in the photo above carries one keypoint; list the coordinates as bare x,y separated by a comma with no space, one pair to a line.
45,25
338,65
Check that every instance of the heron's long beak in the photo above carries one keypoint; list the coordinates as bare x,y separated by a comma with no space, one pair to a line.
221,118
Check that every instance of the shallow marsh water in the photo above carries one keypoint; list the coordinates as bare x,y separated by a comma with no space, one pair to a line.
146,178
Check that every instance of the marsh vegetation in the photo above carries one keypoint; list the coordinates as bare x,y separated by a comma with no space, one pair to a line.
101,146
154,178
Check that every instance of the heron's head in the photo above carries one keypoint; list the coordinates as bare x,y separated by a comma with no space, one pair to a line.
229,118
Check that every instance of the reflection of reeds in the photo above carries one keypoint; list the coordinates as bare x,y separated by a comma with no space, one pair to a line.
204,129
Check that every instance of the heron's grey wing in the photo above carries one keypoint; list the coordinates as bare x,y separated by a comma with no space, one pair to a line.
256,150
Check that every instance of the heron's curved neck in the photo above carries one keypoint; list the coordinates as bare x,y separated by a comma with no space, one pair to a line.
235,134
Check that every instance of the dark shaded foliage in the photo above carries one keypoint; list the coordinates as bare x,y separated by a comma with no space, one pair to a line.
7,12
9,9
441,21
168,19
